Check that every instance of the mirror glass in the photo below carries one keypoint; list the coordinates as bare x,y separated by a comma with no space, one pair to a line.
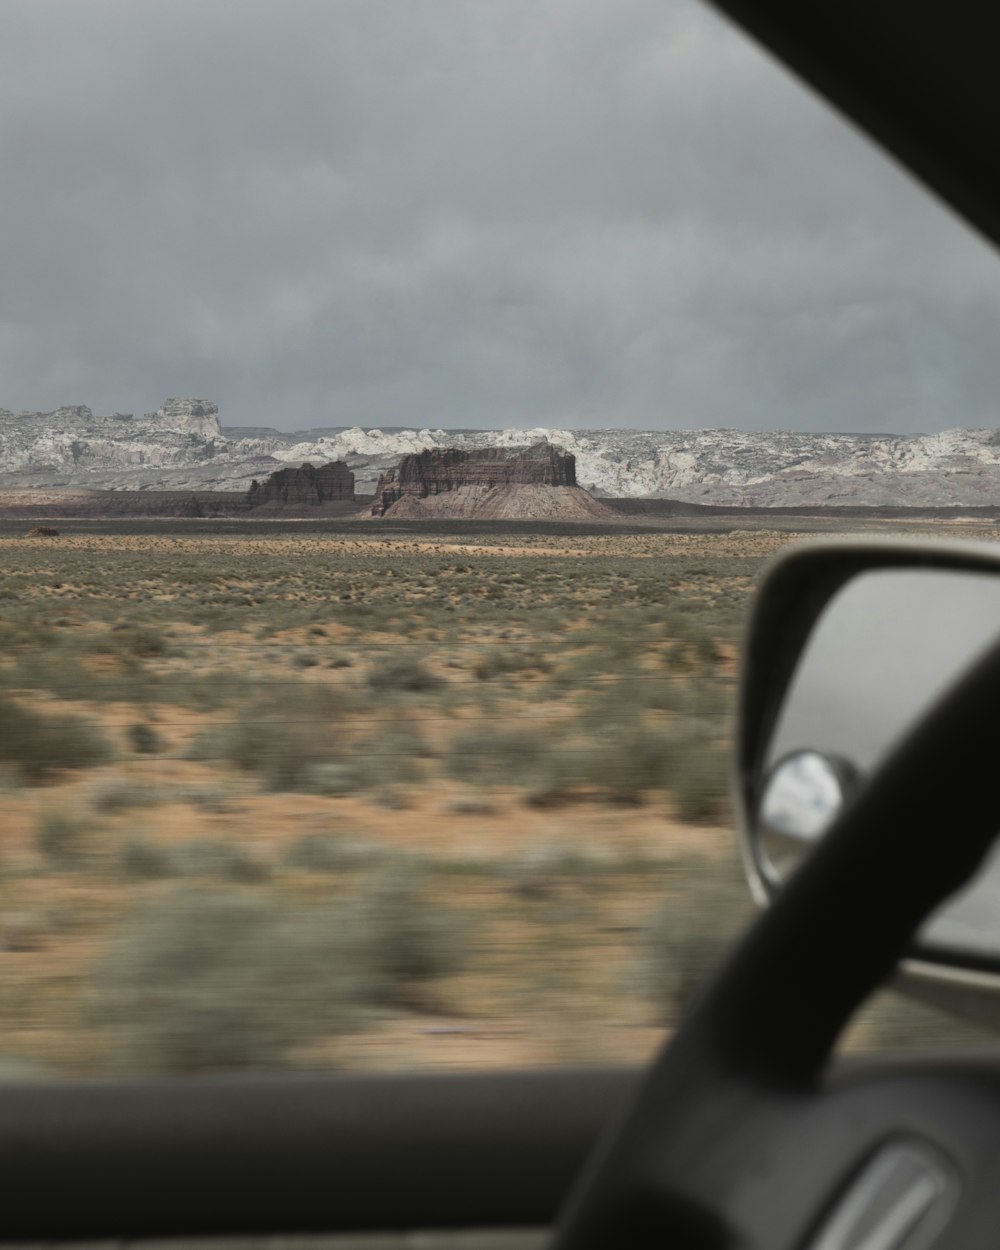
888,645
803,794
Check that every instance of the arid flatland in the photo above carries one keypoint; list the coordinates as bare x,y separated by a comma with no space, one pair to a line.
374,795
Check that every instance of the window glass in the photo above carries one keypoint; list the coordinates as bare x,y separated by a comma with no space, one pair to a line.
289,785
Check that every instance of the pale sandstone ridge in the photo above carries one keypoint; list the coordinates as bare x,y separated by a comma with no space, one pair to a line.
428,474
182,447
189,416
307,486
70,445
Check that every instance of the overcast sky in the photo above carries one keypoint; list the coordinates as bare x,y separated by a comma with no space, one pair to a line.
464,213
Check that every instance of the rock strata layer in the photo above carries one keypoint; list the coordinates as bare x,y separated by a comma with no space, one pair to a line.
307,486
438,472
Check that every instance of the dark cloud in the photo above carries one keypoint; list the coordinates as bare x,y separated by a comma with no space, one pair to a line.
464,213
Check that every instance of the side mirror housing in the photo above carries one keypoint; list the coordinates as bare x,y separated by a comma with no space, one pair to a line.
851,648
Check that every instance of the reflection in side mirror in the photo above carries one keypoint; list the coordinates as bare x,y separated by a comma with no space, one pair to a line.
803,794
890,641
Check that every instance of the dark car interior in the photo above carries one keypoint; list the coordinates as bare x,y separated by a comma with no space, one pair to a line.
738,1135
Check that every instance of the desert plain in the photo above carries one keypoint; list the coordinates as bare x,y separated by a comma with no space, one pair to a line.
290,794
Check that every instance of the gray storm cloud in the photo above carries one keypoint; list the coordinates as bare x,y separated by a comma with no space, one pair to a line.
464,213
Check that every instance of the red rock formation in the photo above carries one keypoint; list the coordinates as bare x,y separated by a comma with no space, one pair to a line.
504,503
435,472
308,485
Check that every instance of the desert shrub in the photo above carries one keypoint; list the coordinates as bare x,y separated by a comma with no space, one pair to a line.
144,739
584,669
210,746
630,694
393,798
142,860
700,698
694,646
25,632
403,675
685,757
37,745
557,773
210,798
206,692
331,777
407,940
142,641
633,763
536,874
60,838
55,671
499,662
325,853
280,744
625,764
203,980
121,794
391,757
217,618
213,857
491,756
706,908
700,783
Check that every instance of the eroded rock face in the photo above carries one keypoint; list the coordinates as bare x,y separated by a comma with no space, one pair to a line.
307,486
71,444
188,416
438,471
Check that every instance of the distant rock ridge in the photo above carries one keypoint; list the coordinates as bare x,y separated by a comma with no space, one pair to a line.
71,442
182,447
178,416
307,486
440,471
191,416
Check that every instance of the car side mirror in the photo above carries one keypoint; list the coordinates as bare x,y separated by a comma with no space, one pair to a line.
849,648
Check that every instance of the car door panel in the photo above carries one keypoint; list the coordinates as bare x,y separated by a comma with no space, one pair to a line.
295,1154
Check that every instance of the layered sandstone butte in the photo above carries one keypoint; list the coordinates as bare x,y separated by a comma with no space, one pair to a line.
307,486
504,503
437,472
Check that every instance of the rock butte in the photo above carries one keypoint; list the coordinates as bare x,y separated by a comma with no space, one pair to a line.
306,486
441,471
513,502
